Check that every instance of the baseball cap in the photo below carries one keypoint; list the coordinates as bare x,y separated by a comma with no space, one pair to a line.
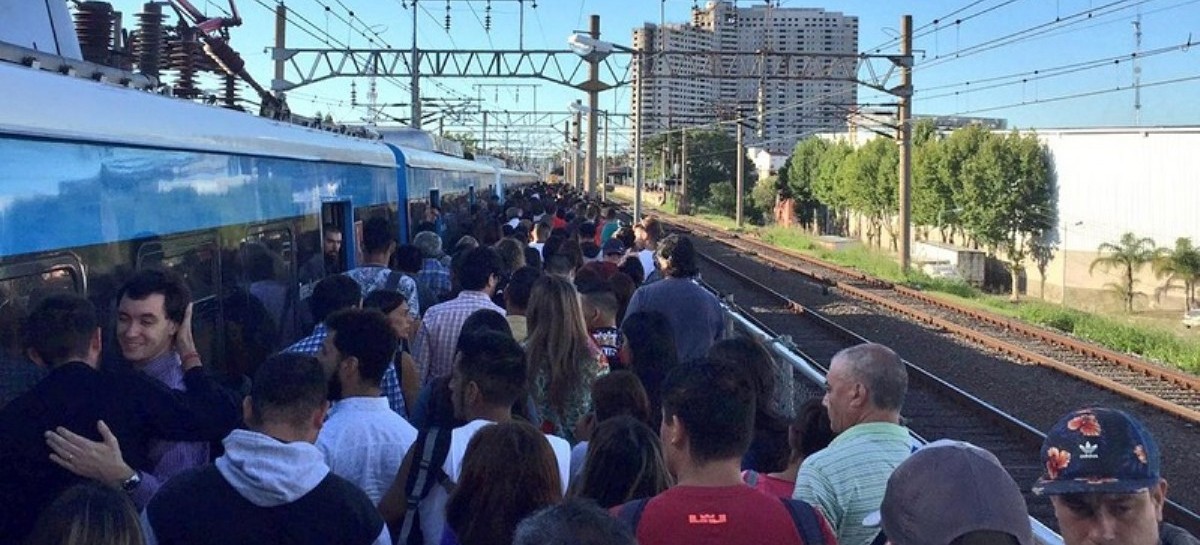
948,489
613,246
1098,450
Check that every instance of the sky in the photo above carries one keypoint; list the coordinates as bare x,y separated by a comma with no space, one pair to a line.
1036,63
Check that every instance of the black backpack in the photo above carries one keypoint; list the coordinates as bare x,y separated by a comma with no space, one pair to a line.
804,516
431,448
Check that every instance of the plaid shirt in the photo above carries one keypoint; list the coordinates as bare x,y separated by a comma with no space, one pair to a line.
436,277
312,343
438,336
392,391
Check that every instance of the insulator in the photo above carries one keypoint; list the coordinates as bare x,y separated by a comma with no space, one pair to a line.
447,15
183,52
231,98
94,25
150,38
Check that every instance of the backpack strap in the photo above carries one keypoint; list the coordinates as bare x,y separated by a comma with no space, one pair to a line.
631,514
432,445
393,280
807,522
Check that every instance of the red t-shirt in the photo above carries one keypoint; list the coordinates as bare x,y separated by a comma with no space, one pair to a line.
773,486
728,515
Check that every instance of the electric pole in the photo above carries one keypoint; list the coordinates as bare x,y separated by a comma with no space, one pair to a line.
905,115
741,171
593,106
683,178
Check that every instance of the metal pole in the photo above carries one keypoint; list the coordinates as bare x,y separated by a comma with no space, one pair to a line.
415,84
280,43
741,172
683,178
604,161
905,143
483,142
576,180
593,106
638,182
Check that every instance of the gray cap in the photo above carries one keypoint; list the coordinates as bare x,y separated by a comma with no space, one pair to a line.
946,490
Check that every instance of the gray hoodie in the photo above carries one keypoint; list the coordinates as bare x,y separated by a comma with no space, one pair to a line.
268,472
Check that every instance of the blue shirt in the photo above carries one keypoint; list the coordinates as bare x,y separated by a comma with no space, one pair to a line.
694,314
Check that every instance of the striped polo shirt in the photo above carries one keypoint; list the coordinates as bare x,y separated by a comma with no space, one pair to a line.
847,479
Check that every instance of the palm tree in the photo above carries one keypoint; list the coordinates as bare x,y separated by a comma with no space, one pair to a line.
1181,264
1127,255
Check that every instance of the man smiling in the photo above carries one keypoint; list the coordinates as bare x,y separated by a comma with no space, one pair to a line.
155,336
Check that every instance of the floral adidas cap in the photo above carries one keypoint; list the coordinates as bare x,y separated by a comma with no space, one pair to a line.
1098,450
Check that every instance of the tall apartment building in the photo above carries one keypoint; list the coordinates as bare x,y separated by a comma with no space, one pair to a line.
794,108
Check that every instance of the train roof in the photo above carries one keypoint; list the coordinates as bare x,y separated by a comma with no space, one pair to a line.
40,104
431,160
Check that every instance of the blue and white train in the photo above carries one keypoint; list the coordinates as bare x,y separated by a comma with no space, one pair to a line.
97,181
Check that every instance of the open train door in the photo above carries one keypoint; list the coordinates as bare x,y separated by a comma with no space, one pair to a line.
340,214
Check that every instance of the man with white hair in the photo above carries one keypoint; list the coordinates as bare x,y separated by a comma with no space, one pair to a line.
864,392
434,275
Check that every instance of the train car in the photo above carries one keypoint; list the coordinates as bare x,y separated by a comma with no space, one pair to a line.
100,181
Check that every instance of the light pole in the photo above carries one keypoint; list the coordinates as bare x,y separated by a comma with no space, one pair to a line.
594,52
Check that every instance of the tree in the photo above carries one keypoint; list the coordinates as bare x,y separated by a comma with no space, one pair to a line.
956,150
1008,197
827,187
469,143
931,196
1180,264
799,174
1128,256
712,156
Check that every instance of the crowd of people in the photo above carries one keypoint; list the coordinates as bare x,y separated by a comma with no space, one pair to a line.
556,377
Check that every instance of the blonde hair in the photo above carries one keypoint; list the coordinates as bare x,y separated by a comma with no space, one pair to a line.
558,341
89,514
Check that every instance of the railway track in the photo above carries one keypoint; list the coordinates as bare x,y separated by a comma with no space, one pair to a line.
934,408
1168,390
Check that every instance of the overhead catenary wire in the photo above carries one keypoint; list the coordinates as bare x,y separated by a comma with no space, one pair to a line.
1027,33
1046,73
1085,94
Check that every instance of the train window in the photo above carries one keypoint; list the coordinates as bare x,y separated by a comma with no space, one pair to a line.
268,274
22,285
195,258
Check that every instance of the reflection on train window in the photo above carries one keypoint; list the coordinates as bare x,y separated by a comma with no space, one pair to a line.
21,288
195,259
269,278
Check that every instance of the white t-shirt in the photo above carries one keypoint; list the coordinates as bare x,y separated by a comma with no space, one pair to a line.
433,507
647,259
365,441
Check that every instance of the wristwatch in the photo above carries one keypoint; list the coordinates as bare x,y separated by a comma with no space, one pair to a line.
131,484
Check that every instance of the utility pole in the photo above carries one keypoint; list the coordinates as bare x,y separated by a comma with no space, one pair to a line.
415,83
638,181
905,143
280,42
483,142
593,105
575,171
683,178
741,171
604,161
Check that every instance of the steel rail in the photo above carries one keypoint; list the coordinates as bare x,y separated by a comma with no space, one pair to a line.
812,371
860,286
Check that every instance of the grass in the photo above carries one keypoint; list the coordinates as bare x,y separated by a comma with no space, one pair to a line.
1115,333
1147,341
